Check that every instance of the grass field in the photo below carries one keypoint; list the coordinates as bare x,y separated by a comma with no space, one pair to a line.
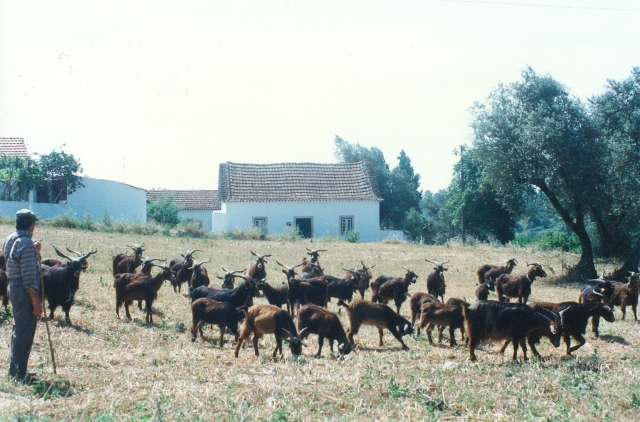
112,369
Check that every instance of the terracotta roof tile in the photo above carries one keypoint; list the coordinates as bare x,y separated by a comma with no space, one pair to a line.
297,182
188,199
13,147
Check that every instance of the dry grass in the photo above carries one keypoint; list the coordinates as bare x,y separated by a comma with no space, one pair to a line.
111,369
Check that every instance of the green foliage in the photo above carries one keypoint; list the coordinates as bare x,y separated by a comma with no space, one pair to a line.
414,222
191,229
352,236
64,221
87,223
18,176
59,165
532,133
164,211
398,187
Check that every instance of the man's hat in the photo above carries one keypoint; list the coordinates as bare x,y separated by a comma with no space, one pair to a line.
26,214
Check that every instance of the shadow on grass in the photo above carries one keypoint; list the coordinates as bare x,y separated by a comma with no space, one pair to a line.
614,339
51,389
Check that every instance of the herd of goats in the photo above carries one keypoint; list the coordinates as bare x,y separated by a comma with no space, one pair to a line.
306,296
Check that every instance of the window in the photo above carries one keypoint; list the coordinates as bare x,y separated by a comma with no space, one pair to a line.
261,224
52,191
346,224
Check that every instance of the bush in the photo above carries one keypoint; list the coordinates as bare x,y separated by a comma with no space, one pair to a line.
164,212
64,221
562,241
191,229
87,223
352,236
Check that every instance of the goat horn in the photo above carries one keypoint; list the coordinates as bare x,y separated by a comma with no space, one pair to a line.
75,252
88,254
434,263
282,265
287,331
302,331
60,253
446,262
253,253
406,268
205,262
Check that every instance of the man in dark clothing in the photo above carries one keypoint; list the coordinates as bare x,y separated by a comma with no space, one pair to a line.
23,272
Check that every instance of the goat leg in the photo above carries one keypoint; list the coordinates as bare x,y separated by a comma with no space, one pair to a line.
581,342
223,328
320,344
380,336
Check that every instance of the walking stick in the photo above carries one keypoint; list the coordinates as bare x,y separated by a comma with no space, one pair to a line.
46,320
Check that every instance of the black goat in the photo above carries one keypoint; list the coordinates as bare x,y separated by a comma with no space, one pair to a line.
385,288
222,314
435,281
237,297
61,282
123,263
182,269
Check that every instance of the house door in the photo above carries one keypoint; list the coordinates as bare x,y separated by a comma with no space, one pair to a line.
304,226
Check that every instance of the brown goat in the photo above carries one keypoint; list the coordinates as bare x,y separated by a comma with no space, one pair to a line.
130,287
535,336
199,276
482,291
415,305
276,296
363,312
314,254
365,278
123,263
182,269
325,324
496,321
229,276
435,281
222,314
626,294
575,317
385,288
442,315
488,271
257,270
508,286
269,319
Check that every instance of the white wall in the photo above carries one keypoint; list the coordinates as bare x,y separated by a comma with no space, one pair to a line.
325,216
206,216
119,200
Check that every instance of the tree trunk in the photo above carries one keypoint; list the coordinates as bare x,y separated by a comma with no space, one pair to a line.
631,264
586,266
612,241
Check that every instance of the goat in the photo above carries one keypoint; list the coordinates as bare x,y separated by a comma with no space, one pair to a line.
145,269
415,305
4,284
602,292
238,297
535,336
130,287
435,281
222,314
343,288
52,262
302,292
229,276
626,294
508,286
490,320
276,296
61,282
325,324
269,319
3,261
199,276
314,271
257,271
182,269
365,278
385,288
289,271
363,312
482,291
314,254
575,317
123,263
443,315
488,271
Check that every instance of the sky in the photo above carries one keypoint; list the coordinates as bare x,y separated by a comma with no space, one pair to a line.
157,94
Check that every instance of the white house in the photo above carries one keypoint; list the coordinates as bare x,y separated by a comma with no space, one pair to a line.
97,197
319,199
194,204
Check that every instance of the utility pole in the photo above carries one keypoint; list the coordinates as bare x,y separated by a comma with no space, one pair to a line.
462,191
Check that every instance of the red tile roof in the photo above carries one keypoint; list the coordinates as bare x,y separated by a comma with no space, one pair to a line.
188,199
297,182
13,147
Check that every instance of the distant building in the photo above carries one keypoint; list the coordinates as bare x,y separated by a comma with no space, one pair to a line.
119,200
319,199
197,205
14,147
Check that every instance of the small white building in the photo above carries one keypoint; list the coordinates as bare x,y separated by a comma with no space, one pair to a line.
197,205
319,199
